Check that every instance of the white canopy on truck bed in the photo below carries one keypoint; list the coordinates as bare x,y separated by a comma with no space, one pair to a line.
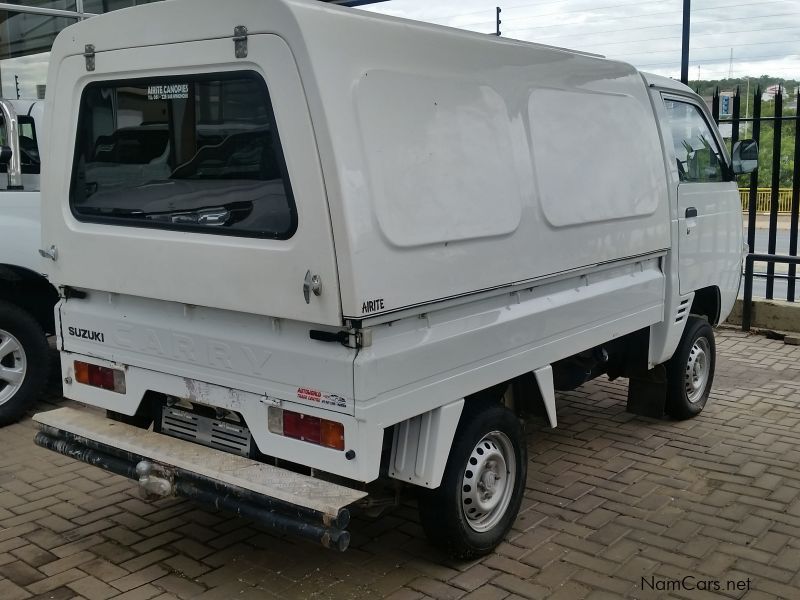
452,162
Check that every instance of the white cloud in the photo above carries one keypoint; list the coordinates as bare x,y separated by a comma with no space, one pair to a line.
764,34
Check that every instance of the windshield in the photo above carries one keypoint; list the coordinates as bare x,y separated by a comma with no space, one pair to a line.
185,152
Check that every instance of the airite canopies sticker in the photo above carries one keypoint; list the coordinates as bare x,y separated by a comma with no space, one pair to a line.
170,91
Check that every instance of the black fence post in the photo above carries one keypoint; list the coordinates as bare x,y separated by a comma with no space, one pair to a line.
775,192
715,105
753,199
747,301
790,291
737,108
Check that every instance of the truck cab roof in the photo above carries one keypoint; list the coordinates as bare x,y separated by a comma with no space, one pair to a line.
667,83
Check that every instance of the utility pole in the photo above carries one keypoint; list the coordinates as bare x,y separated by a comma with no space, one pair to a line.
730,66
687,9
499,10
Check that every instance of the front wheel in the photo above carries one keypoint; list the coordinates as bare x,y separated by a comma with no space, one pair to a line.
472,510
690,372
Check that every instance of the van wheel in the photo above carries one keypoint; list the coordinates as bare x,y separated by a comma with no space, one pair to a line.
690,372
24,362
470,513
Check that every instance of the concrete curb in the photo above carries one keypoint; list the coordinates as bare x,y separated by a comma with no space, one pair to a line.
769,314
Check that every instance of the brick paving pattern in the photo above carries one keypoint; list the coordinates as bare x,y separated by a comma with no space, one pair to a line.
610,498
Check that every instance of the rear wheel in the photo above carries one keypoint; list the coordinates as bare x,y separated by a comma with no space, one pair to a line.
24,362
690,372
470,513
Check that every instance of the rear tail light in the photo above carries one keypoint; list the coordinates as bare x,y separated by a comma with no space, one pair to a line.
298,426
100,377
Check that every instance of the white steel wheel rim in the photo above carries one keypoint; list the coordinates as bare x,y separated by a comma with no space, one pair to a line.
13,366
698,367
488,482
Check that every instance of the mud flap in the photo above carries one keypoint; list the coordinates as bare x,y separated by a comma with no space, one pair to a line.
647,392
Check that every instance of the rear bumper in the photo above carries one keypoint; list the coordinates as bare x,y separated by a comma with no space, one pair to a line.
360,436
279,499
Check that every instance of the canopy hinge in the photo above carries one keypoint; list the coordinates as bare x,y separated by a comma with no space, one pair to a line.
240,41
88,54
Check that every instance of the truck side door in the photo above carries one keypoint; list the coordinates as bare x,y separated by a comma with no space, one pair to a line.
709,212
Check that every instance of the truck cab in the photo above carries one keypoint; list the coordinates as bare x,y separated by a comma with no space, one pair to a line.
26,297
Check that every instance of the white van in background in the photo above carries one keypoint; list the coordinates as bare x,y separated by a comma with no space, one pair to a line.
26,297
305,250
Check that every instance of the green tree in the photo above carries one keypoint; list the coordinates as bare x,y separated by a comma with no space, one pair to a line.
767,146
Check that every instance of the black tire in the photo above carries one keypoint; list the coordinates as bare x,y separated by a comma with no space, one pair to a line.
684,398
33,352
443,510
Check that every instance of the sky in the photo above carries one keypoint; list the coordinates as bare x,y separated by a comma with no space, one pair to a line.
763,34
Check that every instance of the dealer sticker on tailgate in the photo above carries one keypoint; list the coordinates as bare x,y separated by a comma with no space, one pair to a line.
322,398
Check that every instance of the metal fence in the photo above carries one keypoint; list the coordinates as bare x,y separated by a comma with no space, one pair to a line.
762,118
764,199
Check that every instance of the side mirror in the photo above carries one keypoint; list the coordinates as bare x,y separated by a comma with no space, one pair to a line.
745,157
5,155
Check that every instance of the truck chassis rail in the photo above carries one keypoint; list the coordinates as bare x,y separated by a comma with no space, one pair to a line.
318,512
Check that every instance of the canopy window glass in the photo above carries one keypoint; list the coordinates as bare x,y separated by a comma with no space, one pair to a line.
198,153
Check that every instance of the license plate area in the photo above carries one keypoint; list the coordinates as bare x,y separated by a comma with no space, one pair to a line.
216,428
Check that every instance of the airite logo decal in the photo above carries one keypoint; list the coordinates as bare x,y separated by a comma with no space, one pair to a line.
87,334
372,306
321,398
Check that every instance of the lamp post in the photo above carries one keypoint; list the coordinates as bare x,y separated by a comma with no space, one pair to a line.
687,9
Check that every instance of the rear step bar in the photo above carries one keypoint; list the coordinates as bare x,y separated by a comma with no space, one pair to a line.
282,500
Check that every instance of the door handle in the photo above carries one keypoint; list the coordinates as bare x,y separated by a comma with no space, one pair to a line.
691,212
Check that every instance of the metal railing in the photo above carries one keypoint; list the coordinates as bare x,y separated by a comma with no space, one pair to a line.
777,198
750,259
764,199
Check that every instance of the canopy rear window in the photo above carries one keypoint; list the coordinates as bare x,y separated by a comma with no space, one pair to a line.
198,153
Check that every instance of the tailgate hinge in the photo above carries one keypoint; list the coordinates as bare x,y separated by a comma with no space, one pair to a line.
358,338
240,41
88,54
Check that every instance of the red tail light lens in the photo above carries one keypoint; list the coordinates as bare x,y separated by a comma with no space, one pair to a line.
100,377
301,427
321,432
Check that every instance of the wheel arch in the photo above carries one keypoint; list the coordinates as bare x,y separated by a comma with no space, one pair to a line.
31,292
707,303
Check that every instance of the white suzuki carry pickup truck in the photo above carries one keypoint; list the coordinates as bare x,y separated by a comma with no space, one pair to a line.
304,251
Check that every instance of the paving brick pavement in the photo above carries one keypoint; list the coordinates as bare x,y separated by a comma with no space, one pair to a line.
610,498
